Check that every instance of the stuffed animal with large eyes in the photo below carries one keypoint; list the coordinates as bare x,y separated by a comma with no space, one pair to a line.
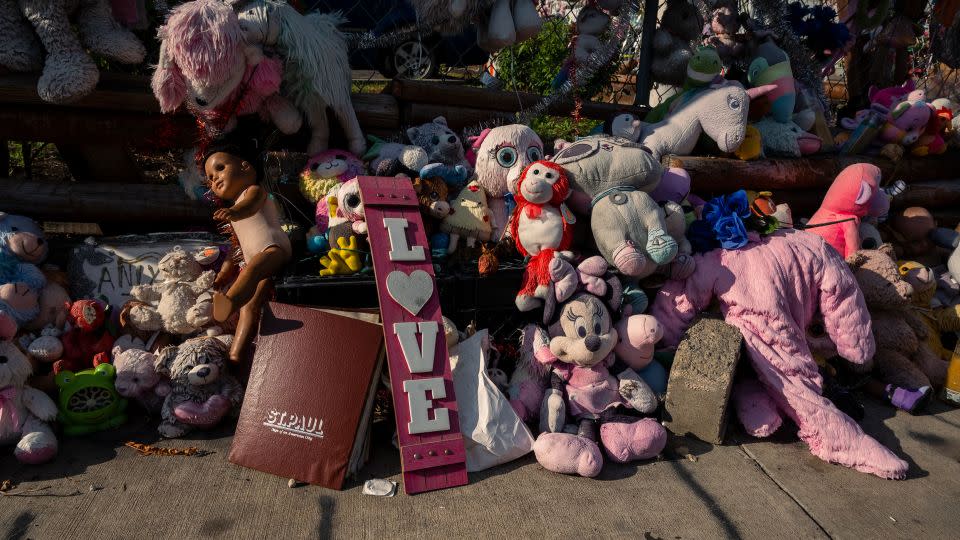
323,175
502,153
541,225
583,339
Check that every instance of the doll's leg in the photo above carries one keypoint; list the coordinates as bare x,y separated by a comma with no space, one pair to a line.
249,320
262,266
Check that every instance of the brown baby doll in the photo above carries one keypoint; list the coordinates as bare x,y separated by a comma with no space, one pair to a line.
231,167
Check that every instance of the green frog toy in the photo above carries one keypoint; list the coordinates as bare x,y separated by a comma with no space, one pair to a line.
89,402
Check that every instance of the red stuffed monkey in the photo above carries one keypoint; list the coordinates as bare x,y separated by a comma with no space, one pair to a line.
541,225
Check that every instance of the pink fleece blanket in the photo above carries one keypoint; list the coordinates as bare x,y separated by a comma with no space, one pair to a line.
770,290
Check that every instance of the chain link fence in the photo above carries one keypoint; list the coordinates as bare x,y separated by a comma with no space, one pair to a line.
533,65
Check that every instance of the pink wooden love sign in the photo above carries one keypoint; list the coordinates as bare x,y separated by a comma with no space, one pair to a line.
431,447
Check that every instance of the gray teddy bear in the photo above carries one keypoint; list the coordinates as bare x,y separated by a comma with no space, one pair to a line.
201,391
618,175
439,141
30,27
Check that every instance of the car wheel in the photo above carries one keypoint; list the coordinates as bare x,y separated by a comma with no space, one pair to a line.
411,60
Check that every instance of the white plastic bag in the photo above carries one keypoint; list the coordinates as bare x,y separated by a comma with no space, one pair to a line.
492,431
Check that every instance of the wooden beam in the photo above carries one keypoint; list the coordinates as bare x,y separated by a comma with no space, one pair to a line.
79,126
102,202
100,163
726,175
132,94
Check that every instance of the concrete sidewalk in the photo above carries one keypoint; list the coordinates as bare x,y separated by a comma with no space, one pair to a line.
747,488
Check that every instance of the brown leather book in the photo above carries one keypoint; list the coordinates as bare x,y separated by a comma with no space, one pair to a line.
307,409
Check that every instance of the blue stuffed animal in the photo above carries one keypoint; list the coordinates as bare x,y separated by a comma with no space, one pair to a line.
22,247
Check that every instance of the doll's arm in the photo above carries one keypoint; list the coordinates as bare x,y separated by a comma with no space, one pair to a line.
248,203
845,316
679,301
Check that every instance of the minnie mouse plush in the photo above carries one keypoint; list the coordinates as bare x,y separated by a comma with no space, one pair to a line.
584,390
540,226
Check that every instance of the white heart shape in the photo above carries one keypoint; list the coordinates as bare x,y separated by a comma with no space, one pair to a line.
412,291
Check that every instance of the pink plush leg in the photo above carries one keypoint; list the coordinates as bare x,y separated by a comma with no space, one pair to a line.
568,454
38,444
628,260
789,373
756,410
625,442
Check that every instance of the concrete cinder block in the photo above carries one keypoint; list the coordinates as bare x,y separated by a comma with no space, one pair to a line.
698,392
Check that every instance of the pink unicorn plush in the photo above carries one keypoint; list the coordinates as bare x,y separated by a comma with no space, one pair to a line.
853,195
771,290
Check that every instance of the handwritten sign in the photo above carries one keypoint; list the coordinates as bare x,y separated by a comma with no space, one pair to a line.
431,447
108,268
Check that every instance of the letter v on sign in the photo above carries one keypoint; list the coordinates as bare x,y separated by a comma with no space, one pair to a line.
419,357
432,452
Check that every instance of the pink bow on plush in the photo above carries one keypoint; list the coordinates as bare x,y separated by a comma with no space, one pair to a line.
8,402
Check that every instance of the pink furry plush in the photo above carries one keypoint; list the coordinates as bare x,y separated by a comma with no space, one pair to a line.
204,42
852,196
770,290
205,62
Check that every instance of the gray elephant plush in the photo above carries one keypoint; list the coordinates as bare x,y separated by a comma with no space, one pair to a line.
30,27
617,175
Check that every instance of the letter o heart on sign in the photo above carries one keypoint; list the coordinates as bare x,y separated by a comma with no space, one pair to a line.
412,291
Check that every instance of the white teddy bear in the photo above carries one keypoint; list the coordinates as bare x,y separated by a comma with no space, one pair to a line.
24,411
180,302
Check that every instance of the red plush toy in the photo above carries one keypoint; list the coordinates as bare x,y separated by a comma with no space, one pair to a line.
541,225
88,343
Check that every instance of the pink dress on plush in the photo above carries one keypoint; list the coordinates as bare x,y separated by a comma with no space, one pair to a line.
590,390
770,290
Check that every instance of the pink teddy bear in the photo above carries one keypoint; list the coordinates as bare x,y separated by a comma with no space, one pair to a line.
138,379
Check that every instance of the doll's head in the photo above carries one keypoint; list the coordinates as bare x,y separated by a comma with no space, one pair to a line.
231,165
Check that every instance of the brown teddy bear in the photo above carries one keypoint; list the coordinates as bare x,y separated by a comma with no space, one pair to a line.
903,358
432,194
